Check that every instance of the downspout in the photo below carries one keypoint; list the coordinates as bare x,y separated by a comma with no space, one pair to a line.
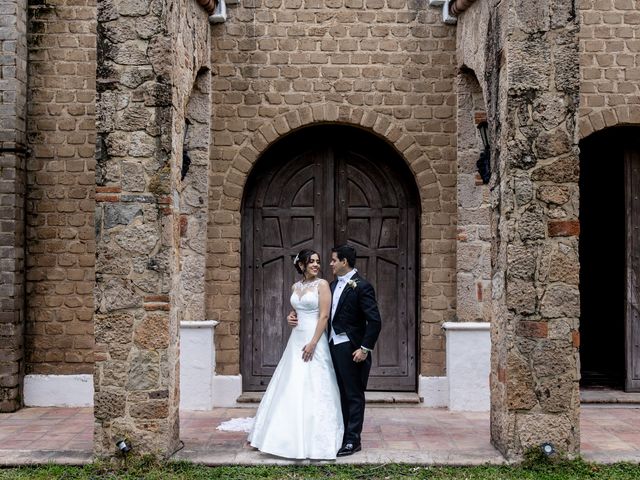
217,10
456,7
219,15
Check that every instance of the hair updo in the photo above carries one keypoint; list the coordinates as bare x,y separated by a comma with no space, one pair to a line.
303,257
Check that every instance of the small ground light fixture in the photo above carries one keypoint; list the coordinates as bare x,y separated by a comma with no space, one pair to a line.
548,449
124,446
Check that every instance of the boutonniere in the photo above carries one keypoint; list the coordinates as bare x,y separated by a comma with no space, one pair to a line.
352,283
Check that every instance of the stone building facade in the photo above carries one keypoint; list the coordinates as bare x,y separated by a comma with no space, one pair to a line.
134,135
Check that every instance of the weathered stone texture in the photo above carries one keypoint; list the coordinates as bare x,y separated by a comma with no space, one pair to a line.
13,101
61,187
194,194
527,55
387,67
473,249
609,68
150,55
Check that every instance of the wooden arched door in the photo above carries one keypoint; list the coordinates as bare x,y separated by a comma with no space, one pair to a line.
321,187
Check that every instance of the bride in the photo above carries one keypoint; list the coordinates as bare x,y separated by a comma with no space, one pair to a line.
300,415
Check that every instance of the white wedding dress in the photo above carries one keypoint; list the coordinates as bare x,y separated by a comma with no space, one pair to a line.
299,415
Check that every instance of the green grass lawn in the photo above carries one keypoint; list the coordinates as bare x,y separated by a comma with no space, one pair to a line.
174,471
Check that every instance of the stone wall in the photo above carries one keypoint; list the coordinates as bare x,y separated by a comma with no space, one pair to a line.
530,71
473,248
13,101
61,186
610,71
385,65
194,205
150,53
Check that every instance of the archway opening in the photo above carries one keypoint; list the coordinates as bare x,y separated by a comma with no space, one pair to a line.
318,187
608,327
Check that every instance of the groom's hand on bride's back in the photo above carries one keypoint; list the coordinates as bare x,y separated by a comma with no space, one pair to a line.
292,318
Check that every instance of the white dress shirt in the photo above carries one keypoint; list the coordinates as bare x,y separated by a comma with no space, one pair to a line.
338,338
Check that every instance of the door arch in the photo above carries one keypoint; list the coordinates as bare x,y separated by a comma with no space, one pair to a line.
318,187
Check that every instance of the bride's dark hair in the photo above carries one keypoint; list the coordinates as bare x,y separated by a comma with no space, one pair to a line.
303,257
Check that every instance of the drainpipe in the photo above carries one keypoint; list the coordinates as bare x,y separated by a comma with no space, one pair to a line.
217,10
458,6
219,15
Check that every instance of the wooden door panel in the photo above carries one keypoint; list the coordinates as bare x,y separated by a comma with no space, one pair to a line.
389,234
271,232
632,321
388,354
302,231
356,196
359,231
271,301
304,197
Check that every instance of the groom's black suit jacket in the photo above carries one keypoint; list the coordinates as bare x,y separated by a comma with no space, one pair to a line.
357,313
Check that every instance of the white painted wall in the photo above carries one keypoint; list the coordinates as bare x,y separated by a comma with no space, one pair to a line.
197,365
434,391
468,365
227,389
58,390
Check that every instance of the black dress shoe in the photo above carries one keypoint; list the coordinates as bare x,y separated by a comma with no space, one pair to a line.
349,449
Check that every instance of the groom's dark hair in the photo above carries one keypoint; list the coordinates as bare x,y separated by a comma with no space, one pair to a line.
346,252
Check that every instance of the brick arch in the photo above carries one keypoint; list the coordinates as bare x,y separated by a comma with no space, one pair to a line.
378,124
608,117
437,231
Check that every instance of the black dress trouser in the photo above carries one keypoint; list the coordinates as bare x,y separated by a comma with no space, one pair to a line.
352,380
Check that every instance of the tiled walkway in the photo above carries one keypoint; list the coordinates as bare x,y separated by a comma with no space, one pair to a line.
392,434
610,433
40,435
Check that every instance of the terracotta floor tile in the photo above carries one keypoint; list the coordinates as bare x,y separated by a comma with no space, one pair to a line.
401,445
17,444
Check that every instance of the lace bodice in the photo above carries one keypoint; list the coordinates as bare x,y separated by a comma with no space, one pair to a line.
305,301
310,289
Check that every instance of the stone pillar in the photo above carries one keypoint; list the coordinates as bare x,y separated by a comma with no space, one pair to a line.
148,55
533,81
13,101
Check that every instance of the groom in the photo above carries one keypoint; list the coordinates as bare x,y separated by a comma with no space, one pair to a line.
354,327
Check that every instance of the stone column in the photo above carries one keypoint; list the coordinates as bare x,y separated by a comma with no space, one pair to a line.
534,84
13,101
148,55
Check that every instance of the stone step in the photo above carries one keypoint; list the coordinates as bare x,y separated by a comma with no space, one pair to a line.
593,396
398,398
